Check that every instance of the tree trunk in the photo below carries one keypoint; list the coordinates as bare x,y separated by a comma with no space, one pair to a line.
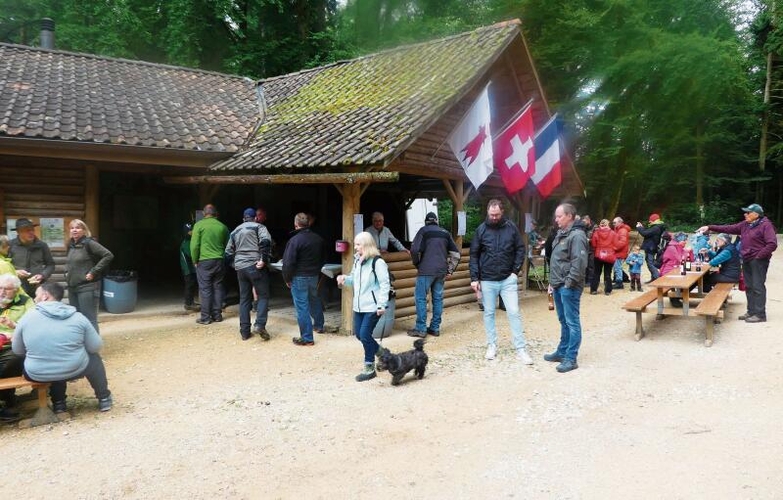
700,165
764,126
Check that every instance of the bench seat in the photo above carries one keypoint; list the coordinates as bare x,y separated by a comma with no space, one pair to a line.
710,307
639,305
44,414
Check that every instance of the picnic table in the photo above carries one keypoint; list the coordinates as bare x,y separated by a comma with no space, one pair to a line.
675,285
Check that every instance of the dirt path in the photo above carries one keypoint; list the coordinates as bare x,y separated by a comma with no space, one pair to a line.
200,414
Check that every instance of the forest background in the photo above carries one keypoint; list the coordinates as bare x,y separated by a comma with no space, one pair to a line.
672,106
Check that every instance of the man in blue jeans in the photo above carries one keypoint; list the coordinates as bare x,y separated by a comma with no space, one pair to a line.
496,256
567,267
436,256
303,259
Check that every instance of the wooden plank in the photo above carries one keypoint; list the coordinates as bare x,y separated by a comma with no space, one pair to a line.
711,304
323,178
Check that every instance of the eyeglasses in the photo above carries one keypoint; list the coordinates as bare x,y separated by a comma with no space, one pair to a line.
8,288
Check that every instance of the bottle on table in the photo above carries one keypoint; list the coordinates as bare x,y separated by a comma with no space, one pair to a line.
682,266
688,265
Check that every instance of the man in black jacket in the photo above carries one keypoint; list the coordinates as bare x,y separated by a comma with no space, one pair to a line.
652,238
496,256
436,256
303,259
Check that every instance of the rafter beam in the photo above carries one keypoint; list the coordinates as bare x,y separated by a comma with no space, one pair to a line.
325,178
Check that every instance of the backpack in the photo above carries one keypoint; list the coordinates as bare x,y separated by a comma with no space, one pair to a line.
662,243
392,291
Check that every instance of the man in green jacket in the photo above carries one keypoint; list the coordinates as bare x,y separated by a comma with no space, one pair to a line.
207,245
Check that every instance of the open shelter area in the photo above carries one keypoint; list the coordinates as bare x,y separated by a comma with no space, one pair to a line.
200,414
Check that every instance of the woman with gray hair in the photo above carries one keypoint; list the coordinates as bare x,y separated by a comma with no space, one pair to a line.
724,256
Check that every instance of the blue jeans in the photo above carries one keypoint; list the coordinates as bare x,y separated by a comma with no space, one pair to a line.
250,278
433,284
567,305
363,325
618,271
649,257
507,290
304,291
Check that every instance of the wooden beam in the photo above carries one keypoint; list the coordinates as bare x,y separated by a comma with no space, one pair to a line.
91,198
450,191
323,178
351,199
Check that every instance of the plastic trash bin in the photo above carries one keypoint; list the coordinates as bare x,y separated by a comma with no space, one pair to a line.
119,291
386,323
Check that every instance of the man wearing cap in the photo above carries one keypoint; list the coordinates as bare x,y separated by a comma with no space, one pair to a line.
758,242
250,244
436,256
207,245
30,256
652,238
383,236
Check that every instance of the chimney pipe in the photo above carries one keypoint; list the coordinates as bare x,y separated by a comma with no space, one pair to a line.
47,33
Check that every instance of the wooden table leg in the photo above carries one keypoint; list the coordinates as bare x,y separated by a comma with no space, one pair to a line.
710,330
686,299
639,329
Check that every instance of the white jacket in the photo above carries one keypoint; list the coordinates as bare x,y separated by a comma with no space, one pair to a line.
370,290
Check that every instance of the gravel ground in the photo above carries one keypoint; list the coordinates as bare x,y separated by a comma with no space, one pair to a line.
200,414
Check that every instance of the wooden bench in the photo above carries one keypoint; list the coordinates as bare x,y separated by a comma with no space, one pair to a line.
711,305
639,305
44,414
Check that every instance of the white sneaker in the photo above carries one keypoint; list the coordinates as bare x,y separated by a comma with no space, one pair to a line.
523,357
491,351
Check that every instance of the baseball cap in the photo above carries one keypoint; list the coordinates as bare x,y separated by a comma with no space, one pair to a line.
249,213
431,217
654,217
754,207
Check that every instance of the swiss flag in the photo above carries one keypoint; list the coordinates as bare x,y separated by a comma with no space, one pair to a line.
515,154
471,141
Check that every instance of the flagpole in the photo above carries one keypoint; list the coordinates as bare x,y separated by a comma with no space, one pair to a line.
512,120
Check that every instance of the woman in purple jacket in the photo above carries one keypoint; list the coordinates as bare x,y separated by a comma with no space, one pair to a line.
758,242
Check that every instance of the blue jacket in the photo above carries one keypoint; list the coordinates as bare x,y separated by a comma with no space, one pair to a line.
728,259
55,340
635,261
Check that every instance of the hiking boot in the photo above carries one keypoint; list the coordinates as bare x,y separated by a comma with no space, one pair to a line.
492,351
59,406
524,357
432,332
367,374
319,330
755,319
218,318
416,333
302,342
261,332
743,317
192,307
105,403
202,321
566,366
553,358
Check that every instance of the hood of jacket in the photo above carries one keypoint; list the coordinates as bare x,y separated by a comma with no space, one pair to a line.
55,309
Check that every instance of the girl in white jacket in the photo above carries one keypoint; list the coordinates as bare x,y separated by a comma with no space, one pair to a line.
370,281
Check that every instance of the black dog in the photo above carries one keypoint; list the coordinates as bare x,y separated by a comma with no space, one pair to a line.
400,364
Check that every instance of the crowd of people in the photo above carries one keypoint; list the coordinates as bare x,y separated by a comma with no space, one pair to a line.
579,254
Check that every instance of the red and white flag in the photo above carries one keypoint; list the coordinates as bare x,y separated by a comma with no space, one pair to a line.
515,156
547,143
471,141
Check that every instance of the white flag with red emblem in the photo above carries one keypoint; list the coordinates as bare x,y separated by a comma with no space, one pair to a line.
471,141
515,156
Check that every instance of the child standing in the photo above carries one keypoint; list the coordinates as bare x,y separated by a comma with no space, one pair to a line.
635,260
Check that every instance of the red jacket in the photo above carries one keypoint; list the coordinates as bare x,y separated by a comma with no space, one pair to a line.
621,240
603,242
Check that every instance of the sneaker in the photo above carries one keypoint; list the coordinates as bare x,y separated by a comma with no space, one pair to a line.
492,351
105,403
319,330
202,321
432,332
553,358
302,342
367,374
524,357
755,319
218,318
566,366
593,293
261,332
743,317
416,333
59,406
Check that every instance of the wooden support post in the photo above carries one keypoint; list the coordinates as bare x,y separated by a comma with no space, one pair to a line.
91,197
351,198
